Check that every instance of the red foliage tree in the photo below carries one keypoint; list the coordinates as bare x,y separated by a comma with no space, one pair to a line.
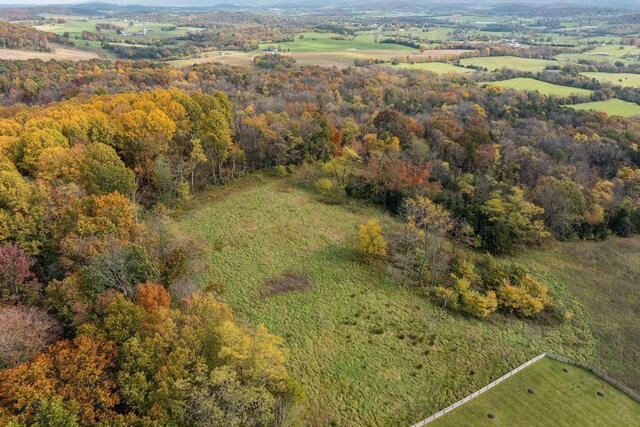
16,279
25,332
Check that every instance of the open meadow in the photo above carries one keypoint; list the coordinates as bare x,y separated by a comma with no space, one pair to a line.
613,107
558,398
549,89
603,276
492,63
59,53
607,53
616,79
368,350
434,67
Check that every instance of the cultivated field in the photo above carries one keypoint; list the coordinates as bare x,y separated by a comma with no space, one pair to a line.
59,53
559,399
368,350
613,107
492,63
617,79
532,85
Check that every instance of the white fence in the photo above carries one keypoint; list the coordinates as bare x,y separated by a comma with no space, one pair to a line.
479,392
596,371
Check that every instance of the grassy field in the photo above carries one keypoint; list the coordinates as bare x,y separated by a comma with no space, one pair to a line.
613,107
604,277
559,399
435,67
531,85
344,57
618,79
76,27
324,42
59,52
614,53
498,62
367,350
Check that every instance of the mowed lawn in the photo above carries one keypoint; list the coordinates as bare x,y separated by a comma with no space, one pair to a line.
549,89
499,62
617,79
367,350
559,399
613,107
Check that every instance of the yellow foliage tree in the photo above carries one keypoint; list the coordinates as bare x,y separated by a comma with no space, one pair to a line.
370,241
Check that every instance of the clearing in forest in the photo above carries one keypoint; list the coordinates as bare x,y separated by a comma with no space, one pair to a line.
368,350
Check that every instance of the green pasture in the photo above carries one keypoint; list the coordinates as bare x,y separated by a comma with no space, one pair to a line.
613,107
616,79
559,398
498,62
548,89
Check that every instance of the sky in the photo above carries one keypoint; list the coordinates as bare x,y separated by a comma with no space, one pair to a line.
258,2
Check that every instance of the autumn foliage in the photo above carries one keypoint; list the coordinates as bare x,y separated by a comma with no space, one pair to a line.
152,297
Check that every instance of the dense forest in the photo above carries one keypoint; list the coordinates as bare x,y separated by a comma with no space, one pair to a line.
101,288
15,36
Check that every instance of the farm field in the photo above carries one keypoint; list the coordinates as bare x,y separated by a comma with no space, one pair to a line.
229,58
434,67
498,62
618,79
613,53
59,52
559,398
613,107
76,27
329,58
549,89
323,42
368,351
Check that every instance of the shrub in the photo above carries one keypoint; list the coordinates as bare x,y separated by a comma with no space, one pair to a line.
324,185
370,241
478,305
280,171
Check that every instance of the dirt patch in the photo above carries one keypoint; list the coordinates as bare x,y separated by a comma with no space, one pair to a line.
289,281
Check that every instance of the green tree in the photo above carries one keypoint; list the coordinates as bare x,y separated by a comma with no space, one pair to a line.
432,221
122,268
563,205
103,172
215,136
512,221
